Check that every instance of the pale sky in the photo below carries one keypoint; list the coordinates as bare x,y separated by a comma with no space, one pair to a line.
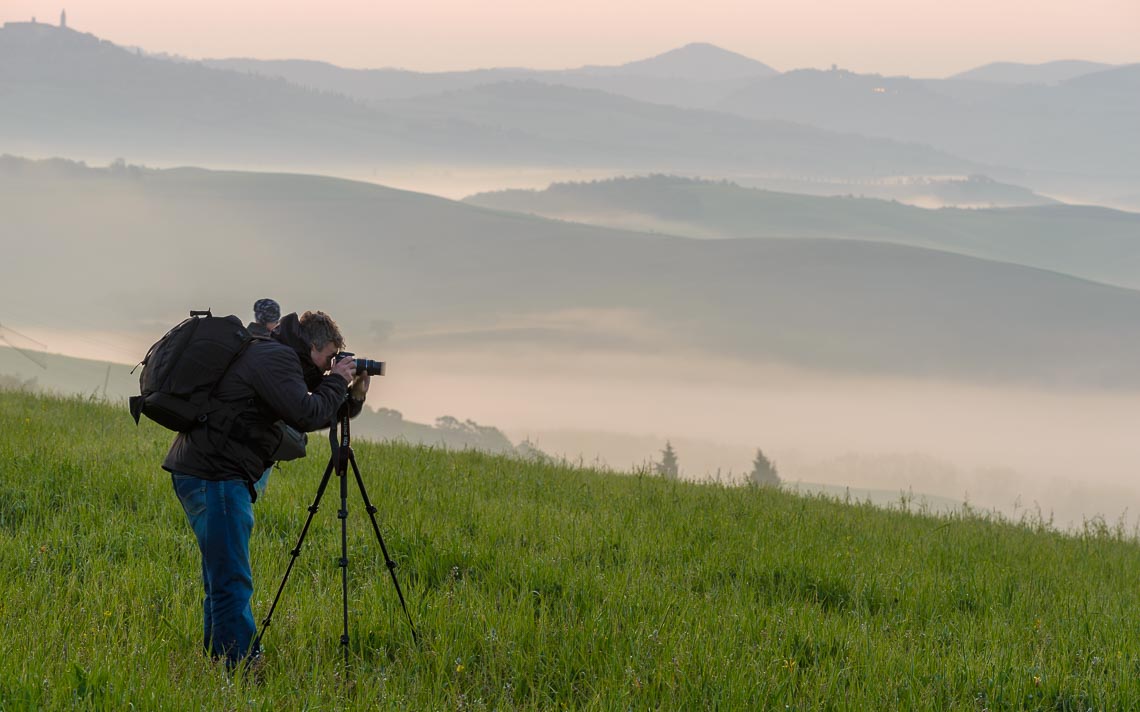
927,38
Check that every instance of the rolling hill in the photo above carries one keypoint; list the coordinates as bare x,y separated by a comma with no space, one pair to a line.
1094,243
130,249
604,129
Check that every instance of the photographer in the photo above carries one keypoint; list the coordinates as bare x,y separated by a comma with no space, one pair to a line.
290,377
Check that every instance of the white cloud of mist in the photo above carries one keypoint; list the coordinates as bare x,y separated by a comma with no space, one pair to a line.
1073,453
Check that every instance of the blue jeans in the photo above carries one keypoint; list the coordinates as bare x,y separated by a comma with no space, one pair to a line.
262,483
221,516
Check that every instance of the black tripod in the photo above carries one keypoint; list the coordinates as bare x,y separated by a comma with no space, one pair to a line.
339,460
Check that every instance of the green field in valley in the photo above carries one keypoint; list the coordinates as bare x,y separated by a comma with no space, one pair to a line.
541,586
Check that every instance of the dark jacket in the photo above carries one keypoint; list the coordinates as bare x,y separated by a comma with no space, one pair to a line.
267,383
258,329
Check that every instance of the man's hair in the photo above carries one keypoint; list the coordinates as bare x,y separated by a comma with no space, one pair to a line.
319,329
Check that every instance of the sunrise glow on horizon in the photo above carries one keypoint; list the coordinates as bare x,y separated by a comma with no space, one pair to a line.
913,37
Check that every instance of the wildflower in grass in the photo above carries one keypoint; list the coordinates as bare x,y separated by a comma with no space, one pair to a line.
790,665
1037,680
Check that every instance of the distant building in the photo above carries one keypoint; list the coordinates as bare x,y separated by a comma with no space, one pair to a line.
63,18
38,28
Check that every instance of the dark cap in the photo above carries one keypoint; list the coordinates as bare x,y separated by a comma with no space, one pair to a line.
266,311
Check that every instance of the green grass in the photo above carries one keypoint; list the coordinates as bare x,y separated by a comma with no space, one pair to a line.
541,587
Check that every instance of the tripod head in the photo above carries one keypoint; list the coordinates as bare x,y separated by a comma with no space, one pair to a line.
343,415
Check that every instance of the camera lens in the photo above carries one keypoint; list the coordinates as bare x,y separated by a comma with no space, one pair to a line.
367,365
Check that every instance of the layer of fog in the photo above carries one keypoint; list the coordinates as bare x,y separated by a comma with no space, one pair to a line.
459,181
1072,455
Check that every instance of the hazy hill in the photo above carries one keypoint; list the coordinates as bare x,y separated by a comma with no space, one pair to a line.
130,250
1121,81
1083,126
697,60
969,191
368,85
69,93
619,131
696,75
1020,73
1094,243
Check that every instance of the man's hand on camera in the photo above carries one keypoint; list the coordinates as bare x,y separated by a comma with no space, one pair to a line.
345,368
360,385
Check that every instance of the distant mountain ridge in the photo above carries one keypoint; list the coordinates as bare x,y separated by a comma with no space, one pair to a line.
687,76
1015,126
698,110
1021,73
1001,114
72,94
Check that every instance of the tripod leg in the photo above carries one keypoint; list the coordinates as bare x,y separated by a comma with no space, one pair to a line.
296,551
342,514
376,528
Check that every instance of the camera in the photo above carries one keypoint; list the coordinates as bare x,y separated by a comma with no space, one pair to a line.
363,365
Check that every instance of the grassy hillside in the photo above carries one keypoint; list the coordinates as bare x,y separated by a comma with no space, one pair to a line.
537,587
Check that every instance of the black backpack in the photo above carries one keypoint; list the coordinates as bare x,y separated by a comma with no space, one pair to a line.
183,368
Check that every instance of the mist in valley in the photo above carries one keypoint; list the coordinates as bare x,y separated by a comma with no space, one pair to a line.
1062,455
1009,449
